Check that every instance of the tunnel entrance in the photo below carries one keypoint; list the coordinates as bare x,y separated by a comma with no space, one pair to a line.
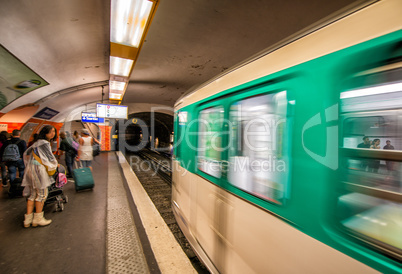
159,127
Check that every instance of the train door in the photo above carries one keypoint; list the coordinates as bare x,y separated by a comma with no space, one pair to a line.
209,219
244,145
259,146
260,123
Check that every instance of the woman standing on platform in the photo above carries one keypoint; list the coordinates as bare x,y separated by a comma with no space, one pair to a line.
85,152
40,165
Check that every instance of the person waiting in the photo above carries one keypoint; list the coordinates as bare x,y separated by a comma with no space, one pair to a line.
85,152
4,136
67,148
366,144
374,165
11,153
41,165
389,164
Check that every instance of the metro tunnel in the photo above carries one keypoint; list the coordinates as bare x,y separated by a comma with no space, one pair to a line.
148,127
153,136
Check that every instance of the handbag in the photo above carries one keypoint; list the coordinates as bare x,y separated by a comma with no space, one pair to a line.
95,150
37,158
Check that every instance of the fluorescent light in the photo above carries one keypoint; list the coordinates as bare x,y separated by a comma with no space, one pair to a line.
128,21
116,85
120,66
115,96
372,90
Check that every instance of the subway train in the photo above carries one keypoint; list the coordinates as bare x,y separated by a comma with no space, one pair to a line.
290,162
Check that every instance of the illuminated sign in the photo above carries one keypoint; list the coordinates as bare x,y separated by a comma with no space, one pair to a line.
182,117
90,117
111,111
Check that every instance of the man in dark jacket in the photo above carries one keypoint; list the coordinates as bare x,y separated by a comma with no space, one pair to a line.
70,152
14,162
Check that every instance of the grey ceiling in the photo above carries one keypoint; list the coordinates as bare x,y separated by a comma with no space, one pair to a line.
66,42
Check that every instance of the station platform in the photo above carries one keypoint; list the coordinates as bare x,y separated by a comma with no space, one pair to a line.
114,228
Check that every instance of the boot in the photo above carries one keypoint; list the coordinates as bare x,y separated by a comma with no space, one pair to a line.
40,220
28,220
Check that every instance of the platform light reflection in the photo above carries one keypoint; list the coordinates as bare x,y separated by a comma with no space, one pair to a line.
372,90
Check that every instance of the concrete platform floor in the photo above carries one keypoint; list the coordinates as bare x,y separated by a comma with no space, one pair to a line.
73,243
92,235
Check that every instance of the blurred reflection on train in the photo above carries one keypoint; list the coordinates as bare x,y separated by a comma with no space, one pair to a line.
292,161
371,167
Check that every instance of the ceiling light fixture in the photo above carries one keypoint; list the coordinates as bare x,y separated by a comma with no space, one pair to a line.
115,96
130,21
116,85
120,66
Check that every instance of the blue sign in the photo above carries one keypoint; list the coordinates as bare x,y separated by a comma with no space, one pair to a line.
46,113
90,117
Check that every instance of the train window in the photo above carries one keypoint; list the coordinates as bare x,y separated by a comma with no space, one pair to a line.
259,146
370,207
181,119
210,141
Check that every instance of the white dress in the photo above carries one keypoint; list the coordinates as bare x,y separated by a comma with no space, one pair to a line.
86,149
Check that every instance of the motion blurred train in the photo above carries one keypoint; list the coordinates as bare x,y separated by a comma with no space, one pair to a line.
291,161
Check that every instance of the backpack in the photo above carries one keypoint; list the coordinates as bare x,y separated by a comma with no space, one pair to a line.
11,152
61,180
60,177
75,145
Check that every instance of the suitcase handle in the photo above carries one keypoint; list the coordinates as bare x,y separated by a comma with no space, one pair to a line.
76,165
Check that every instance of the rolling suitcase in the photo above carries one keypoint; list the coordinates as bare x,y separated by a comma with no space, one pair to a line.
83,178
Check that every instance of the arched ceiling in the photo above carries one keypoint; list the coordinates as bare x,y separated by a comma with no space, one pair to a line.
66,43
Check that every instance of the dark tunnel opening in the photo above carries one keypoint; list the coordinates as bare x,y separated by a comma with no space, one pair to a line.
152,130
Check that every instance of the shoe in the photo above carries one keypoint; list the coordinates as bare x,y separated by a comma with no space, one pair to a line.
40,220
28,220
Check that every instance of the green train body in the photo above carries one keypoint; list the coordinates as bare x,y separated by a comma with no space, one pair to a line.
316,183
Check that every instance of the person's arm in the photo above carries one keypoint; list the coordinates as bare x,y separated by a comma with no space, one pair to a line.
2,150
22,148
81,142
61,150
60,153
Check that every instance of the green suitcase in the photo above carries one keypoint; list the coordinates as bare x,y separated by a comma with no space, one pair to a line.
83,178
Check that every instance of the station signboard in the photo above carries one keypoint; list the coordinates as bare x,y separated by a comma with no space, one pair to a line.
90,117
111,111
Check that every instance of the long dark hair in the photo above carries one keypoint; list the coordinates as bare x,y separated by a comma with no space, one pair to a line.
3,136
45,130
